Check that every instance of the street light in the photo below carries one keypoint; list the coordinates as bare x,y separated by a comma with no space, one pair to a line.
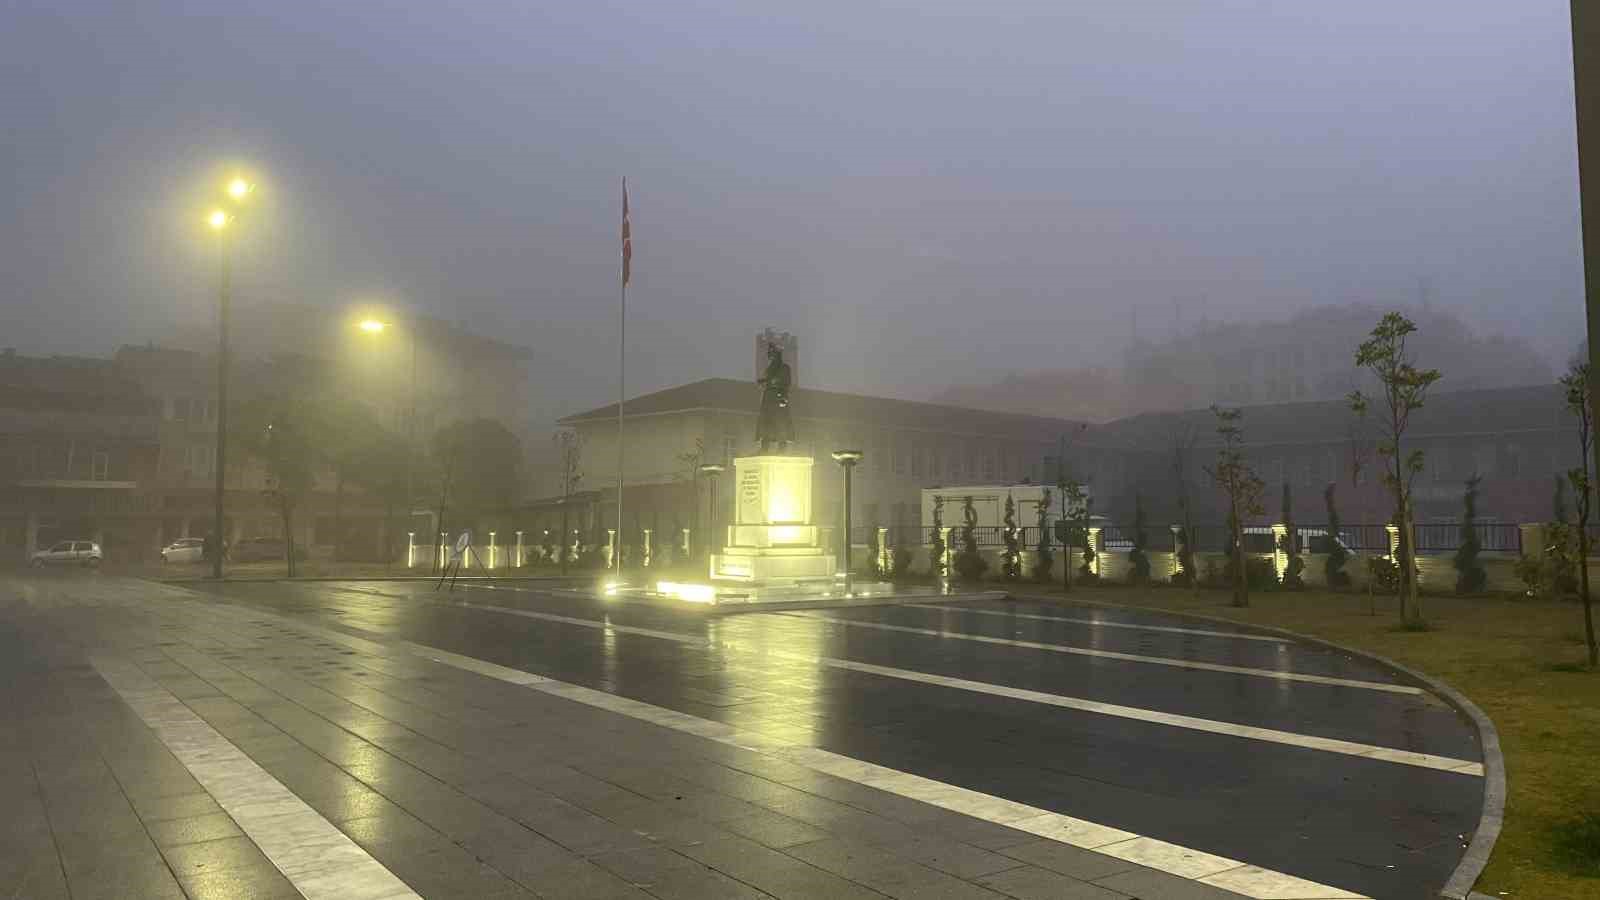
711,471
847,459
376,327
219,220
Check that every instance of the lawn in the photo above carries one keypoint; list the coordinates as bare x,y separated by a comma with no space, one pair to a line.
1521,662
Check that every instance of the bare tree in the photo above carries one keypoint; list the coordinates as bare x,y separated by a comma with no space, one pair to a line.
569,455
1576,381
1184,439
1242,486
1403,387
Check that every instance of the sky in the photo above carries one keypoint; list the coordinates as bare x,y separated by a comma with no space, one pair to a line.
925,192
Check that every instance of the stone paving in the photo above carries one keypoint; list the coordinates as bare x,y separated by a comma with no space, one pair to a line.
459,784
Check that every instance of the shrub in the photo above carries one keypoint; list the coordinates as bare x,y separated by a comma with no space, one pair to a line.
1333,567
1011,559
1260,574
969,562
1553,575
1290,544
1470,576
1186,574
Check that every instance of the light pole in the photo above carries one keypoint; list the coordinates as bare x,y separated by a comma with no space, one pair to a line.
377,327
847,459
219,220
710,471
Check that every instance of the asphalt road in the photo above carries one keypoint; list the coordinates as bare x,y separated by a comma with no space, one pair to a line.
1280,754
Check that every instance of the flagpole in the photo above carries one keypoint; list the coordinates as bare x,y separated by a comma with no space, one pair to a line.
622,370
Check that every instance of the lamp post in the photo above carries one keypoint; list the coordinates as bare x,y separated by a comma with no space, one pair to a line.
710,471
220,220
847,459
377,327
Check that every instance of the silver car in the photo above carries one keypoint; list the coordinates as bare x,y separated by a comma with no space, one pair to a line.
184,550
76,553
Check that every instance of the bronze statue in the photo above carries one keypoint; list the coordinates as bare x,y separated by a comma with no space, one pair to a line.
774,426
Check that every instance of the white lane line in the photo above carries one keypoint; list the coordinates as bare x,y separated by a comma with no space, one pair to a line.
1193,723
317,858
1173,662
1098,623
1219,871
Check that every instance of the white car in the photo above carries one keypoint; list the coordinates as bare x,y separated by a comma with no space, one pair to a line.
79,553
184,550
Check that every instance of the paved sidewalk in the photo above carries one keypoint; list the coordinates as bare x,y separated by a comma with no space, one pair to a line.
459,784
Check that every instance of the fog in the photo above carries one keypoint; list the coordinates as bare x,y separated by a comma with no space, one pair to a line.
927,193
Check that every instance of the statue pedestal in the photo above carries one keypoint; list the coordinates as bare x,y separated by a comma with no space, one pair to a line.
773,538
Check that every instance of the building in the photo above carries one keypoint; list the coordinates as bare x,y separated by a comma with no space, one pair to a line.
908,446
79,446
1519,440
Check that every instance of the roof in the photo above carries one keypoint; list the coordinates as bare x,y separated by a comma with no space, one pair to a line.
1496,411
731,395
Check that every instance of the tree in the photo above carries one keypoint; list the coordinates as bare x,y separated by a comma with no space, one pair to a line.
970,563
1470,576
1576,381
1183,443
1011,559
1291,544
482,458
936,544
1558,500
569,459
1138,559
1043,561
1333,566
1403,388
1080,532
1074,506
1239,483
271,424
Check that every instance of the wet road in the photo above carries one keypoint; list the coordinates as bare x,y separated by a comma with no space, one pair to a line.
1283,755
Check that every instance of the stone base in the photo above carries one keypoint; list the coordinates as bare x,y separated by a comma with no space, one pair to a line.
770,564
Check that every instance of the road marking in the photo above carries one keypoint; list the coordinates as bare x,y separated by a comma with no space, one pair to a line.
1218,871
1123,657
1193,723
1097,623
317,858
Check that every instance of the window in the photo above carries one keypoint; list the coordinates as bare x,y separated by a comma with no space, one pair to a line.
730,446
899,461
100,465
988,467
916,463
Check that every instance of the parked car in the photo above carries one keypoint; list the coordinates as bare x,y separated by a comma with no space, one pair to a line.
262,549
1260,539
184,550
79,553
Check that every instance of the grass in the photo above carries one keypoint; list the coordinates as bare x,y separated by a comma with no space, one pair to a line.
1522,661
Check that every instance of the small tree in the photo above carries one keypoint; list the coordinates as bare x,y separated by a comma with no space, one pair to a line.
1043,561
1576,381
1011,560
1403,387
289,463
1333,566
1239,483
1291,544
1138,559
1080,532
970,562
1183,443
1470,576
936,543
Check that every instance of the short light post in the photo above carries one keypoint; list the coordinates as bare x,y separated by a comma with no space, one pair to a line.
847,459
710,471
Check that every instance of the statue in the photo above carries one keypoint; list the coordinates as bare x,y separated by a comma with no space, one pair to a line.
774,426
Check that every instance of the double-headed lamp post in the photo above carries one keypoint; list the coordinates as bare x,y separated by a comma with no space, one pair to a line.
710,471
223,223
847,459
377,327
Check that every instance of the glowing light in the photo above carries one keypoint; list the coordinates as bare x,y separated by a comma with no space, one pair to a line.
373,326
612,588
239,188
493,561
217,220
690,593
411,549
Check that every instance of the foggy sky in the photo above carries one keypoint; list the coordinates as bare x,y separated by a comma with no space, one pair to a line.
925,191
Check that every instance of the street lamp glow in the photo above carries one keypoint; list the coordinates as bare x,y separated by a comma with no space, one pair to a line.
238,188
217,220
373,326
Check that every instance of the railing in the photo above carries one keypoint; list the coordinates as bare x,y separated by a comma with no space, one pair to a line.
1213,537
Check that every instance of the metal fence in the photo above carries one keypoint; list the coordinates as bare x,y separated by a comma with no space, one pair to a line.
1432,538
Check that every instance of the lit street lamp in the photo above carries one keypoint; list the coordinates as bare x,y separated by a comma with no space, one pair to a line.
376,327
710,471
847,459
223,224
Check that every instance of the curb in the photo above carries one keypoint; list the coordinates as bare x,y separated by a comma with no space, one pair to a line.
1459,885
267,579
